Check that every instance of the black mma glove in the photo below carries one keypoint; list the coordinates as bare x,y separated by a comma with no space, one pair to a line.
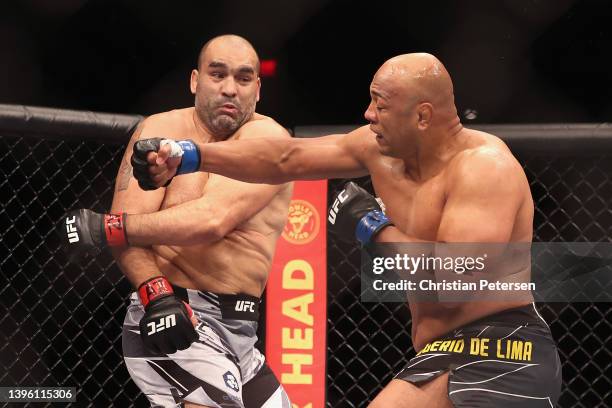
86,230
166,325
355,214
186,149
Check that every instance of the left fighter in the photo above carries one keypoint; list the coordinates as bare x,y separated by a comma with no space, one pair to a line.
199,250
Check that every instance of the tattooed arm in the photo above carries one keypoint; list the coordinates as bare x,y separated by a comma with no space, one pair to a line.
124,175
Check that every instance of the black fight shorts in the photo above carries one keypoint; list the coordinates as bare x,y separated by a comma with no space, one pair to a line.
505,360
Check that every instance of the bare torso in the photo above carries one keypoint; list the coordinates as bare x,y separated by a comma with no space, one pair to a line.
416,209
240,261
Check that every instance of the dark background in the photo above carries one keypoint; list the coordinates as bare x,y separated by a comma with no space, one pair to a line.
512,61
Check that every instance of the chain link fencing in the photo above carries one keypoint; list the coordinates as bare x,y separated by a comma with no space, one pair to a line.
61,323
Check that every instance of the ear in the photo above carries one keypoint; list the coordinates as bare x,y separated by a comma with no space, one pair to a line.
193,82
258,88
425,114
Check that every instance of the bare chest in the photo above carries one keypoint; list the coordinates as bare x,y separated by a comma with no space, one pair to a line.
415,208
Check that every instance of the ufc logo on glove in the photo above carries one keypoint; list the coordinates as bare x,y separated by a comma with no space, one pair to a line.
333,211
73,235
163,324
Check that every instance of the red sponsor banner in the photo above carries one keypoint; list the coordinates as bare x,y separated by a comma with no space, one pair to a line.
296,311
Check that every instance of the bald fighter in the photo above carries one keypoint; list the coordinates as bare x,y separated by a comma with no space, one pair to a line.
440,182
200,248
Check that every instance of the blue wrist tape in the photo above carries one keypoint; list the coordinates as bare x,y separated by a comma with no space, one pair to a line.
369,225
190,162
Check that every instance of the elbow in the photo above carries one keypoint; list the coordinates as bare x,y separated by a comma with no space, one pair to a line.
219,230
288,167
215,229
283,168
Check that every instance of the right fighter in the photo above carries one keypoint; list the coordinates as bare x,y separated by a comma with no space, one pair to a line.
440,183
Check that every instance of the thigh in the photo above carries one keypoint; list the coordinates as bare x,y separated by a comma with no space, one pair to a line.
264,391
402,394
205,374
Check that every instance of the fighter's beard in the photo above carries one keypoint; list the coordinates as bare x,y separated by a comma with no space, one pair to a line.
224,126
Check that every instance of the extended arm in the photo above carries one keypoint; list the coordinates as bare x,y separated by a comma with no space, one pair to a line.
271,159
279,160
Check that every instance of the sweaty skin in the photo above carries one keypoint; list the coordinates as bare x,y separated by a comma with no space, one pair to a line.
440,182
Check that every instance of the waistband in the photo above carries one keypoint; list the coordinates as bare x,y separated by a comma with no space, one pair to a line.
522,317
233,307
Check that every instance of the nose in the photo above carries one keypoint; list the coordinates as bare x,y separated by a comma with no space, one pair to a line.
229,88
370,113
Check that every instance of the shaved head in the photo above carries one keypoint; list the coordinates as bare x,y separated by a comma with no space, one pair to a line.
420,76
231,41
412,98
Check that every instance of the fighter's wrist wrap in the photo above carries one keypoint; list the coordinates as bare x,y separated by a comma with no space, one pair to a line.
153,289
369,225
190,161
115,230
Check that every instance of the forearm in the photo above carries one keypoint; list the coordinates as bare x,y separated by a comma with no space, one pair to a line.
271,161
186,224
137,264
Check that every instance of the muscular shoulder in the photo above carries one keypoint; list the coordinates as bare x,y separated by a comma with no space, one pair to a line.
173,124
487,165
261,126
